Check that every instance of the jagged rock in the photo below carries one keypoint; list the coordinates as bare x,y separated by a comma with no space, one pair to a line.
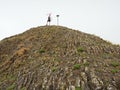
58,58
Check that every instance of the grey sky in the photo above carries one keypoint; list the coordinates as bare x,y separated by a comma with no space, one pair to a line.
99,17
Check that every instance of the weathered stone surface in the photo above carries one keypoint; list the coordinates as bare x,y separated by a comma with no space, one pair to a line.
58,58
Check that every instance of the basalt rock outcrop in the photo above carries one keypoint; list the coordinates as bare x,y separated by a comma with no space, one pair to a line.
58,58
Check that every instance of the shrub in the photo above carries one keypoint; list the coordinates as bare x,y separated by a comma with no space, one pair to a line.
80,49
54,69
78,88
86,64
23,88
11,87
115,64
41,51
77,66
114,71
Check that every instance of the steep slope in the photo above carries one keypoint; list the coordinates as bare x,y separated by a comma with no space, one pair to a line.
58,58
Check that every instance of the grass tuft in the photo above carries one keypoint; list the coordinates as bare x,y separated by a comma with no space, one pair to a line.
77,66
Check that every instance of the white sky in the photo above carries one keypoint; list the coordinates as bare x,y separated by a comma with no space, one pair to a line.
99,17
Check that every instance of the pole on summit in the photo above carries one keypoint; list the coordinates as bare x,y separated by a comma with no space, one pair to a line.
57,19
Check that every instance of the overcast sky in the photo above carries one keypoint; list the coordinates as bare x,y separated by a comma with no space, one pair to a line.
99,17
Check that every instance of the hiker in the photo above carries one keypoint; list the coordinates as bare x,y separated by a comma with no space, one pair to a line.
49,19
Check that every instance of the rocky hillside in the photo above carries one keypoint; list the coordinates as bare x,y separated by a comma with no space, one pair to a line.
58,58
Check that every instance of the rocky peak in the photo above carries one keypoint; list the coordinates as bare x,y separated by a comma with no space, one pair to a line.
58,58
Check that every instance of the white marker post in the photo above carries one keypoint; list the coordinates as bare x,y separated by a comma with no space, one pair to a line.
57,19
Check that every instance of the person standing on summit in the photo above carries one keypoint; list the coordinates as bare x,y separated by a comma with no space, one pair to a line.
49,19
